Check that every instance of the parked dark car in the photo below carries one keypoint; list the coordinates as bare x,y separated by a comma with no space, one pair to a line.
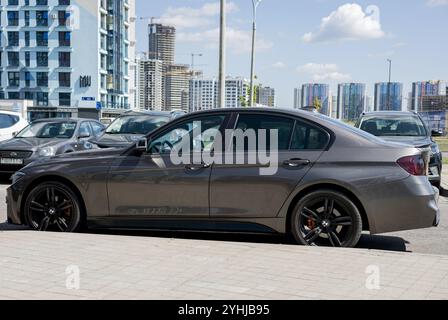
409,128
132,126
47,138
332,181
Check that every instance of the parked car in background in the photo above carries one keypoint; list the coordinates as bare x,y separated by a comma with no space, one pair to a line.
408,128
10,124
46,138
331,182
132,126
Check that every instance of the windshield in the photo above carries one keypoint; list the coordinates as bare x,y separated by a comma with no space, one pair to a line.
136,124
409,126
52,130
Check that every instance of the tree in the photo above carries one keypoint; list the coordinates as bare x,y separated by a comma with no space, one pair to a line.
317,103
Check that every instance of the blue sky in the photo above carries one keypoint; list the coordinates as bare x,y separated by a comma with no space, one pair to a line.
301,41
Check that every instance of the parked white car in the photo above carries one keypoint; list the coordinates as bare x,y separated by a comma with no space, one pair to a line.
10,124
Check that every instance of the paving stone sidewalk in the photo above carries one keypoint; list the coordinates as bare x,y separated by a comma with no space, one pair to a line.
37,265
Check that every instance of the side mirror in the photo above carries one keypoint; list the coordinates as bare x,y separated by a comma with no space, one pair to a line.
436,133
84,135
142,145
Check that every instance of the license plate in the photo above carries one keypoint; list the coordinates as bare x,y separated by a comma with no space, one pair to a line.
11,161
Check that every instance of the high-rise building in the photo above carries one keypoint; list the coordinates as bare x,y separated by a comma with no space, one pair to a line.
334,107
351,100
265,96
71,58
162,41
297,98
369,103
424,89
204,93
149,84
177,87
388,96
317,95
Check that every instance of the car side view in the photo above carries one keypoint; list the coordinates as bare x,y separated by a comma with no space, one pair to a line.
332,182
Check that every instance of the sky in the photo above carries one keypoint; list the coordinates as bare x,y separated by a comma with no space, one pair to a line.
303,41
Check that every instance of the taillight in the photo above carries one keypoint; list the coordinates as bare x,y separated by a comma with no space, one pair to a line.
414,165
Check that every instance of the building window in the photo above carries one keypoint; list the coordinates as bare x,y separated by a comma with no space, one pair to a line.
42,38
27,79
13,2
42,18
41,2
13,59
42,98
14,79
27,38
13,38
13,18
42,59
64,99
64,79
27,18
64,59
64,2
64,39
27,58
29,95
42,79
14,95
63,17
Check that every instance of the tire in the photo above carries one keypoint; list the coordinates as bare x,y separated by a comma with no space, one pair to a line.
326,218
53,206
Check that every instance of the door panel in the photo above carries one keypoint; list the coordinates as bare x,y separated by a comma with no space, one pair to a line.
240,190
151,186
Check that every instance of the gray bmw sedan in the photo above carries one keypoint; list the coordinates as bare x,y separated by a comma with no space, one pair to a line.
313,177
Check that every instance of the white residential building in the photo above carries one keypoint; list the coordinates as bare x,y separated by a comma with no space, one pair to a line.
71,57
149,84
204,93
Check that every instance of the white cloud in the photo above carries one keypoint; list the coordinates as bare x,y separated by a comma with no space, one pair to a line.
348,22
279,65
323,72
187,17
435,3
238,41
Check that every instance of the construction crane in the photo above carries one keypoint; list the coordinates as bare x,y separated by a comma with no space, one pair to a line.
151,19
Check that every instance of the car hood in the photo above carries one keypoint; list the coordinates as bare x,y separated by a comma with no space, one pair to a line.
30,144
117,140
419,142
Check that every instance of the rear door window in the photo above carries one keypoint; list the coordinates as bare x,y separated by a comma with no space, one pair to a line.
309,137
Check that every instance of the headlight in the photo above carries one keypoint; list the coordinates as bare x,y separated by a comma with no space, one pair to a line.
47,152
17,176
435,148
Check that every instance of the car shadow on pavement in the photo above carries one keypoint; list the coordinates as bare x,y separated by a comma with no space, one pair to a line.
371,242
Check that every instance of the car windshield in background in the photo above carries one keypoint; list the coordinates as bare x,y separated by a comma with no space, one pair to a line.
394,127
45,130
136,124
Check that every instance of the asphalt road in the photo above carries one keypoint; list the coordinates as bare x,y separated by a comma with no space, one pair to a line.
430,241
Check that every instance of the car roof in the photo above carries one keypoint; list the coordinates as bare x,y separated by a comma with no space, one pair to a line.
389,113
152,113
77,120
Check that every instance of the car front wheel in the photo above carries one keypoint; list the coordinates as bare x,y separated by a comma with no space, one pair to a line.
52,206
326,218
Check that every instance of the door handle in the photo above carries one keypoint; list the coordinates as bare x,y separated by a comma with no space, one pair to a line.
295,163
197,167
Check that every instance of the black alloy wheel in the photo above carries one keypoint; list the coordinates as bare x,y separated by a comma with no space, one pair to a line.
52,206
326,218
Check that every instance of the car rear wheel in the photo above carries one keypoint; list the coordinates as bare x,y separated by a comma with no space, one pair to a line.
52,206
326,218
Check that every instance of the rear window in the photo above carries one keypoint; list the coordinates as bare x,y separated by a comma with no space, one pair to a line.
394,126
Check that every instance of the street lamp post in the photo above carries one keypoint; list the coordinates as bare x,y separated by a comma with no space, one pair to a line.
222,56
255,4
